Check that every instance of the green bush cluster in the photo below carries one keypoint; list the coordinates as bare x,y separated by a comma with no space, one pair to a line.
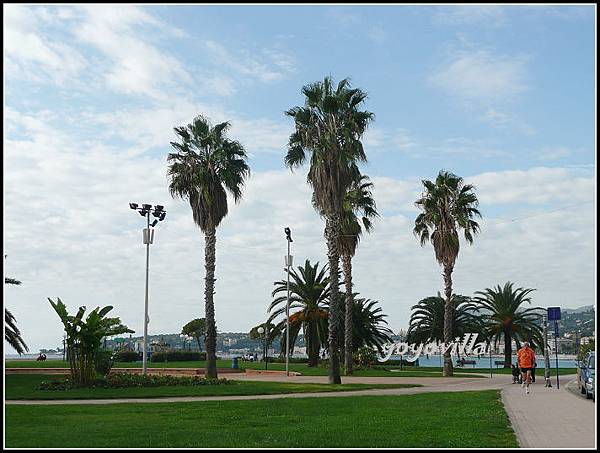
103,362
177,356
127,356
127,380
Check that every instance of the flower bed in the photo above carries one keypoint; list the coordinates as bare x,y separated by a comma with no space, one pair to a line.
125,380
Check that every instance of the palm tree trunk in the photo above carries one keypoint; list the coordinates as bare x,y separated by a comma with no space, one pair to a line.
507,349
347,265
209,306
312,343
448,371
332,231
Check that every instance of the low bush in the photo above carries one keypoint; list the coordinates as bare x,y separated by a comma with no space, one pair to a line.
177,356
103,362
127,356
127,380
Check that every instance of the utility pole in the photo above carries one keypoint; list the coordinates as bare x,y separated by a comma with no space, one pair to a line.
288,263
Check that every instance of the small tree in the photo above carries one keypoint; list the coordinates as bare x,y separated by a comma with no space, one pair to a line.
84,337
196,328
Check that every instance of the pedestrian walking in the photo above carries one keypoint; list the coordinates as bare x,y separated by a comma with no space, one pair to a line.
526,362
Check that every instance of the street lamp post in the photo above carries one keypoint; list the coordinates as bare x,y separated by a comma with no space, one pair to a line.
265,330
288,263
158,212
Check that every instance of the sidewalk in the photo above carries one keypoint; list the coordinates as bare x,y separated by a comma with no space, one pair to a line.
550,417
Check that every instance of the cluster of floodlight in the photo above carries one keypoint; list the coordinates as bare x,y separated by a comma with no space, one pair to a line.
157,211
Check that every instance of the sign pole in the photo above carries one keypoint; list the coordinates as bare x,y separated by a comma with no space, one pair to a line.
556,351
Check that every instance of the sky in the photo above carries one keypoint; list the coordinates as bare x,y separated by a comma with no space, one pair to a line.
503,96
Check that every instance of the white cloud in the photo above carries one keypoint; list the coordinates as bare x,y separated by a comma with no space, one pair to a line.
277,65
153,127
538,185
478,75
31,55
554,153
486,16
503,120
136,66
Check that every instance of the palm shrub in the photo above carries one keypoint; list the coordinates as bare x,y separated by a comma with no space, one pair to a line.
309,304
205,166
329,128
369,327
12,334
505,318
84,338
427,319
448,205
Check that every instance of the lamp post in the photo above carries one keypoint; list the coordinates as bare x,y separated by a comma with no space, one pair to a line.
402,335
158,212
264,330
288,263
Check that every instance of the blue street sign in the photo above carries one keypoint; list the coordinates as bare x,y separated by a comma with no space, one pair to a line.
556,329
553,313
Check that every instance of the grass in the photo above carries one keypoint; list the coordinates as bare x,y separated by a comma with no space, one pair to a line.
432,420
24,387
302,368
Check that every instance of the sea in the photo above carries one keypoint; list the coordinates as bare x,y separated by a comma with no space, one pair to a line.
564,361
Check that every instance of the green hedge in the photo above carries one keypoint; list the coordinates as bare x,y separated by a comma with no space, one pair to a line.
177,356
127,356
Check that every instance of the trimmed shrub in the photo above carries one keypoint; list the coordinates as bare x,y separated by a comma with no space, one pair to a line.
177,356
127,356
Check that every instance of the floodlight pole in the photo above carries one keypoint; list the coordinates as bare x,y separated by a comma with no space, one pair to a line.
145,352
148,234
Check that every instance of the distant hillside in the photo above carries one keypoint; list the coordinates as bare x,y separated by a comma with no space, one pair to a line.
578,310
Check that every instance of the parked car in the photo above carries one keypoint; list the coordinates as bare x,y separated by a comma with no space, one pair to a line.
586,377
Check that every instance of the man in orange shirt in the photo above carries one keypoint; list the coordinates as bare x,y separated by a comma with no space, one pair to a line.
526,361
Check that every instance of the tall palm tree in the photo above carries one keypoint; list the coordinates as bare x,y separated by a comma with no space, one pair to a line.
427,318
507,319
359,210
329,128
448,205
205,166
369,327
12,334
309,296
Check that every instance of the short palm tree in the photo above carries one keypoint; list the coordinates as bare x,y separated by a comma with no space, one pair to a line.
205,166
309,298
329,128
427,319
369,325
12,334
359,210
506,318
448,205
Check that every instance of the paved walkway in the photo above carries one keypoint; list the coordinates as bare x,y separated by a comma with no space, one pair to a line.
550,417
547,417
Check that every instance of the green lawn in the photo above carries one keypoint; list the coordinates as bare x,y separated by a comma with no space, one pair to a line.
297,367
431,420
23,387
